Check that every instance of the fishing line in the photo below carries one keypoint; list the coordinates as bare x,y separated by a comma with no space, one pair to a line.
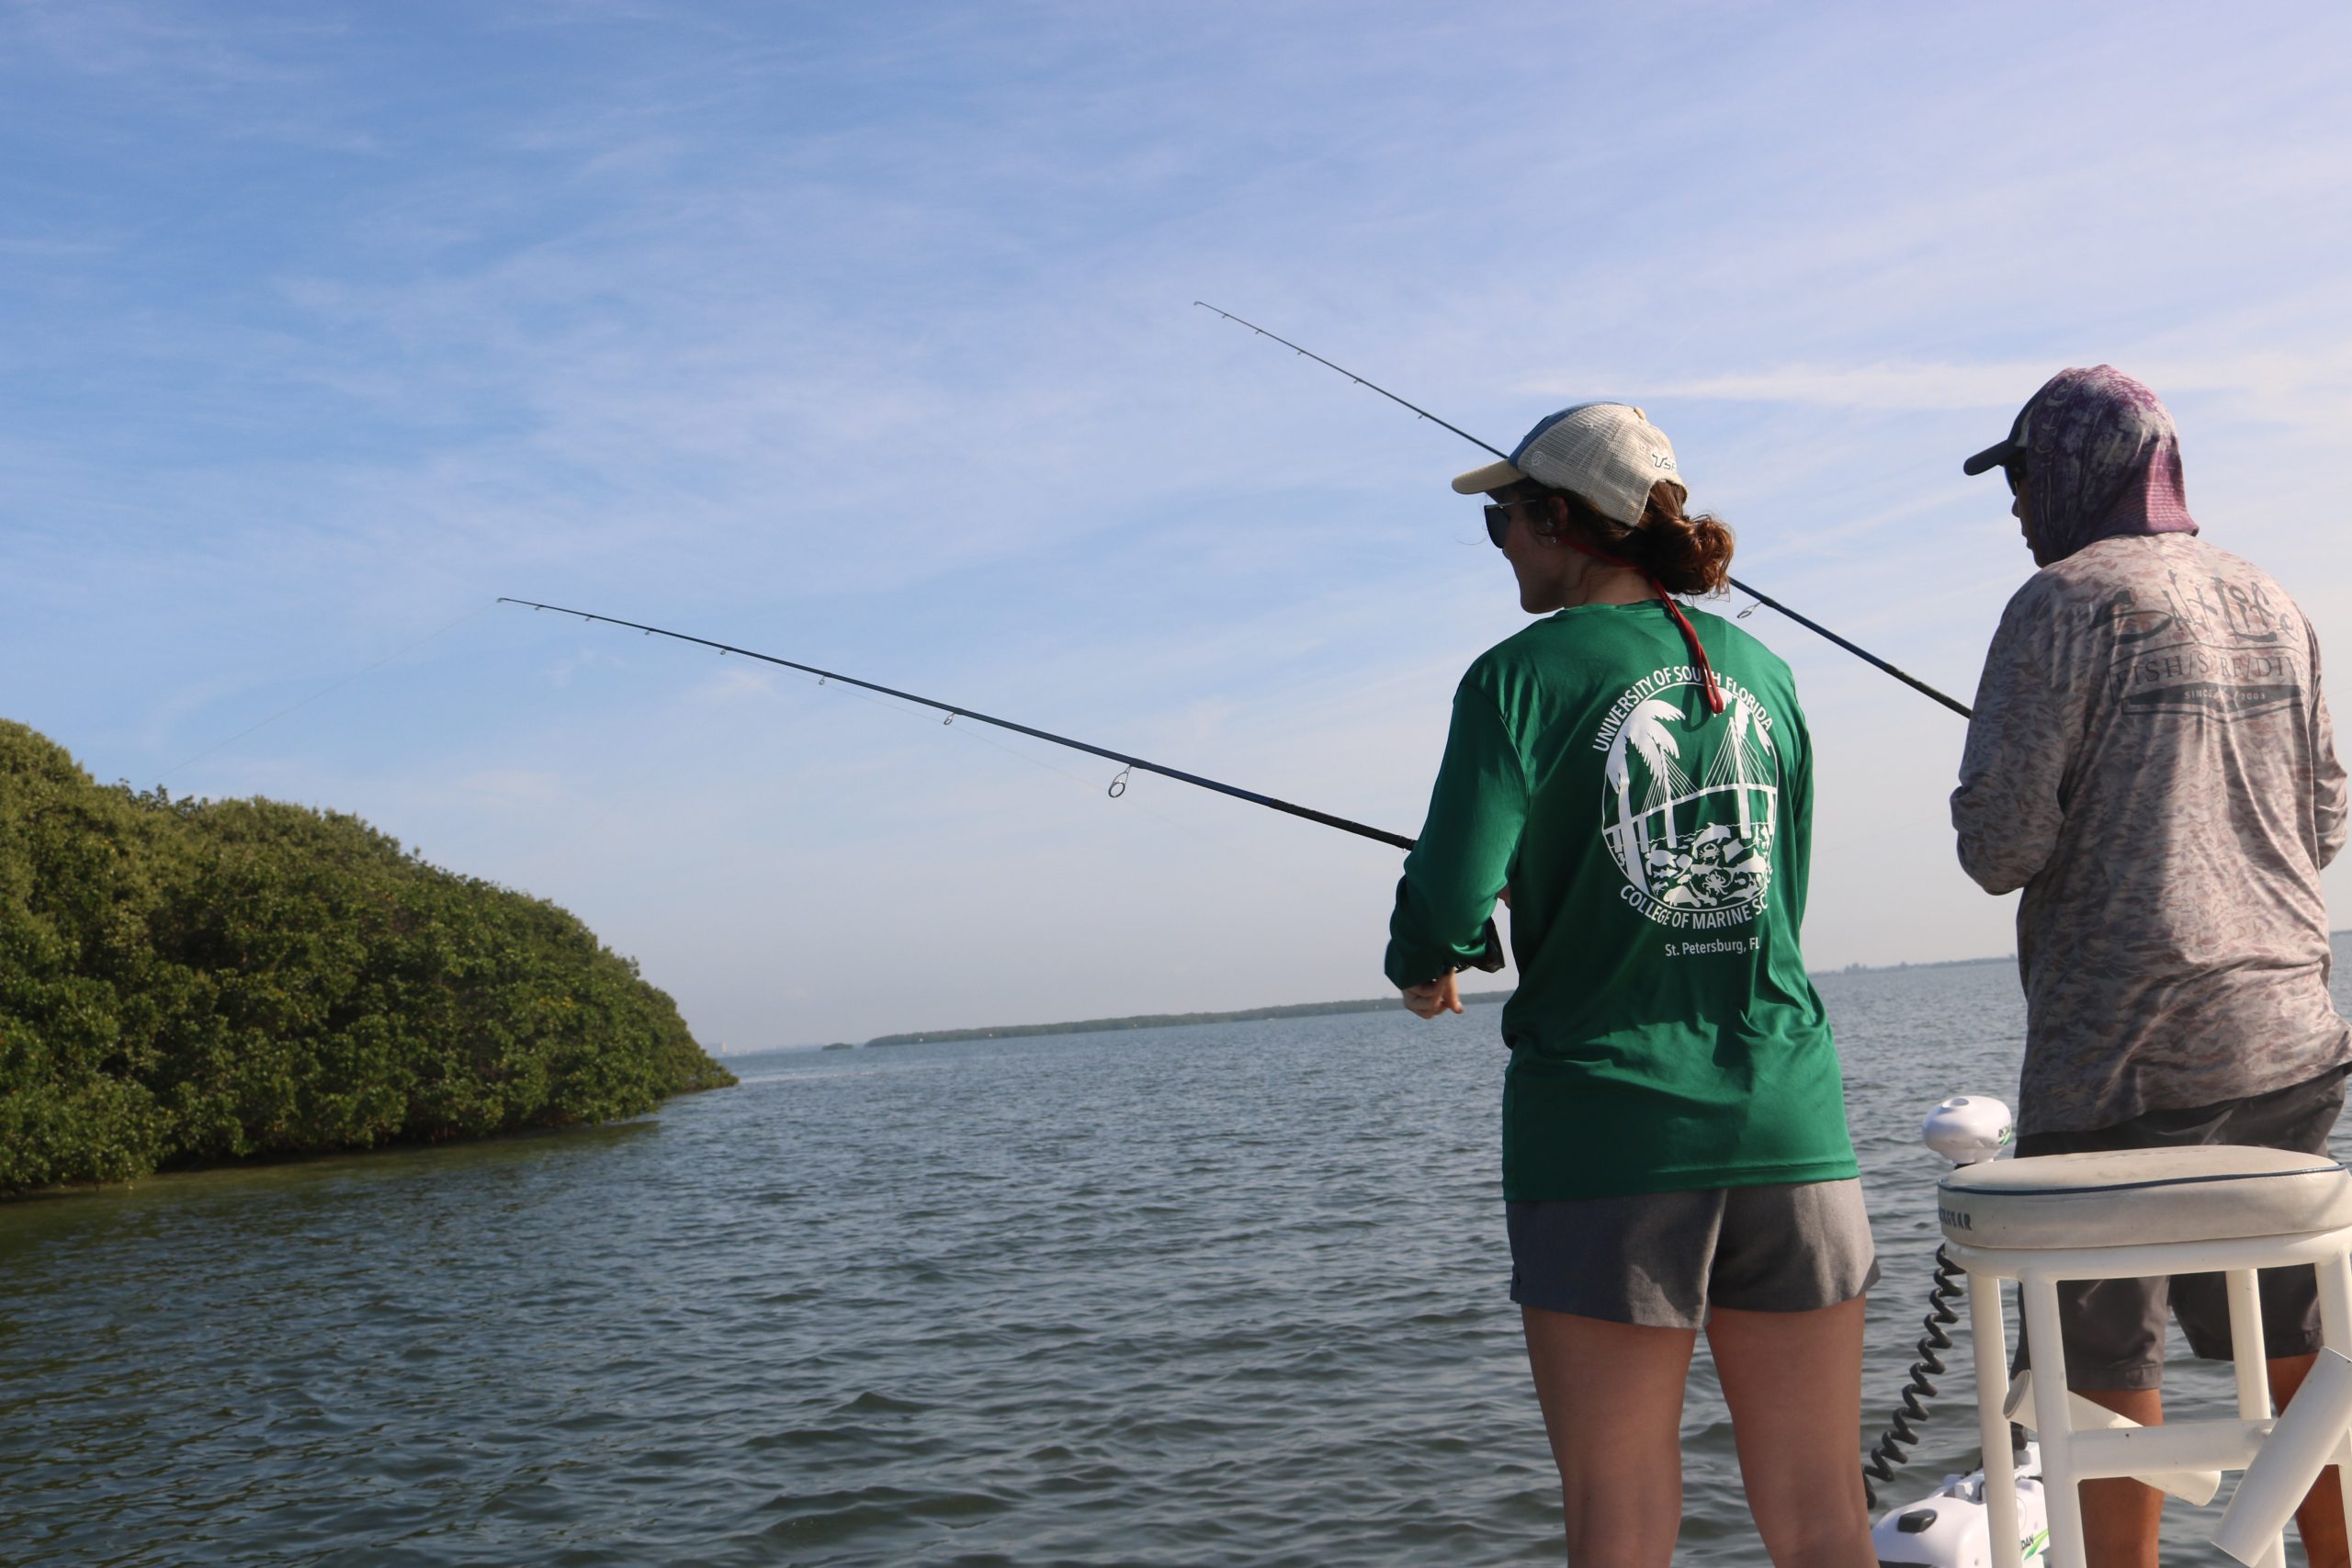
323,691
955,712
1765,599
1117,788
969,734
719,715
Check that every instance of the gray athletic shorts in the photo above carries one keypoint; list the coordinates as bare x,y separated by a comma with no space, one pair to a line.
2114,1329
1662,1259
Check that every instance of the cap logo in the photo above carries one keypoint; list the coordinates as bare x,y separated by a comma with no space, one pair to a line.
1662,460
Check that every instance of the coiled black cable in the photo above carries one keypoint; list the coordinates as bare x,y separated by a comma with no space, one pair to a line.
1900,1434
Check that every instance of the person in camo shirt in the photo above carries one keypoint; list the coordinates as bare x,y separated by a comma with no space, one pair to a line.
2151,761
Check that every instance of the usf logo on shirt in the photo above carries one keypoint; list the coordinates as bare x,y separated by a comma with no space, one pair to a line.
1690,799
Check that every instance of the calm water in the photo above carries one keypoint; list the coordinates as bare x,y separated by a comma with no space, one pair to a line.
1218,1295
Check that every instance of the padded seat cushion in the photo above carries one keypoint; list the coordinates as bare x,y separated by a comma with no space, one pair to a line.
2206,1193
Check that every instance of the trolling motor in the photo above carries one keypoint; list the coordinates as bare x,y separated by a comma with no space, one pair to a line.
1949,1529
1968,1128
1964,1129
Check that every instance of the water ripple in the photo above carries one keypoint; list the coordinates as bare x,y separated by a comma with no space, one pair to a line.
1223,1295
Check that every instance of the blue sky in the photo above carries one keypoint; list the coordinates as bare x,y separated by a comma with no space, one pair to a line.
864,335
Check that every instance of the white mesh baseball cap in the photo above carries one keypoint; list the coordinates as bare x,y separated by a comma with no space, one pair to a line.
1608,453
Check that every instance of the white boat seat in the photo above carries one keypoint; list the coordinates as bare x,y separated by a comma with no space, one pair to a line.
2132,1196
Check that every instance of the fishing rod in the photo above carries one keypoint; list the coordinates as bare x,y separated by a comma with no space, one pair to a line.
1765,599
1118,785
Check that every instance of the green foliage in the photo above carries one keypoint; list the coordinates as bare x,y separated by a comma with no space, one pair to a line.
194,980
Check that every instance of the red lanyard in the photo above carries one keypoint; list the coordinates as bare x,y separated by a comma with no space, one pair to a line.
1690,633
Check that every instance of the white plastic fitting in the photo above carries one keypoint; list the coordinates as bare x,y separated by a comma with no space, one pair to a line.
2302,1444
1968,1128
2195,1487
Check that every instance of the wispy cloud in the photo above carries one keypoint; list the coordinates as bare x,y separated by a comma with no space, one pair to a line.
864,335
1879,386
2296,387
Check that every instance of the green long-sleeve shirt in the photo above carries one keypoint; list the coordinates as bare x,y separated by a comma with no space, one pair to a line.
1664,1036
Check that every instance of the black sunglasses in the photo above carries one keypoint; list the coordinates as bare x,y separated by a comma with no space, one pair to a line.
1498,517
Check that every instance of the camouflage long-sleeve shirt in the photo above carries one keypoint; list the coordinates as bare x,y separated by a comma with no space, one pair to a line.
2151,762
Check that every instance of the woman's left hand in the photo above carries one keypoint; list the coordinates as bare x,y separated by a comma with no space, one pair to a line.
1434,997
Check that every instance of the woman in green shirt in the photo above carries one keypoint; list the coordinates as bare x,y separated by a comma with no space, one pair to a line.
1635,782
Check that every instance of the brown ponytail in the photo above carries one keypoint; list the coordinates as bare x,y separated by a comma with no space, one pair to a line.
1685,555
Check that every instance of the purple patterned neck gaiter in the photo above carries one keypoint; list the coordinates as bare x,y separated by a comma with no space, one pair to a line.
2102,460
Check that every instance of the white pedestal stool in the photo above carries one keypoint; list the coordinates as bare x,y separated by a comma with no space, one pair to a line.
2215,1208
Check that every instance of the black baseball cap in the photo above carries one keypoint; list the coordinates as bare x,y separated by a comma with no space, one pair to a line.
2010,449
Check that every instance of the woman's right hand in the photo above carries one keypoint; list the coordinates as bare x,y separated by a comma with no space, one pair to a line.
1433,997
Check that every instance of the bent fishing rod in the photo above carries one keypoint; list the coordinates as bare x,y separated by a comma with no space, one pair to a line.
1764,599
954,712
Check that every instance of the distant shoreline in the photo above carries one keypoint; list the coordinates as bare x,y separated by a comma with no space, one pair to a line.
1297,1010
1160,1020
1938,964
